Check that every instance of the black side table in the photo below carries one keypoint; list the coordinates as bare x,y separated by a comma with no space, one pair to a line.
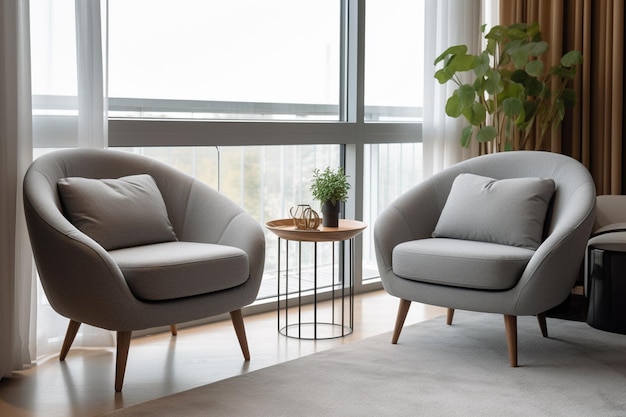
606,282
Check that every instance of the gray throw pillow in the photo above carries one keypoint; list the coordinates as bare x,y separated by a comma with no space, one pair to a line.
117,213
508,211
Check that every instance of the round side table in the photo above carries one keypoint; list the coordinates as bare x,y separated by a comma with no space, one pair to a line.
605,283
339,320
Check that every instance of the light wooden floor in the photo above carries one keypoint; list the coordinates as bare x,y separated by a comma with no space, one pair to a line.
160,364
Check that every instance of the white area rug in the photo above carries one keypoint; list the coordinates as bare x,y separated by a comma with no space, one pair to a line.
434,370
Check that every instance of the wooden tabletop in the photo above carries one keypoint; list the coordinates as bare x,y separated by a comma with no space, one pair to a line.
284,228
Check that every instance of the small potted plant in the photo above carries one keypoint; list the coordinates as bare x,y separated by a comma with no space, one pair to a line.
330,187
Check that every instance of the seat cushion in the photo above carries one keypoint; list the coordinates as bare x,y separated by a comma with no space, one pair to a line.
117,213
170,270
611,237
508,211
461,263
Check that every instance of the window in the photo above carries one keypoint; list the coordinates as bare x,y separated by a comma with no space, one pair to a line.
394,67
251,96
390,169
53,53
246,59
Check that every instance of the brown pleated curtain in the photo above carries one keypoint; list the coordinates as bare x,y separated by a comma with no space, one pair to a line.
593,131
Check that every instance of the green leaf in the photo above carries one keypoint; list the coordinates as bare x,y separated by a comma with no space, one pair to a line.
563,72
505,73
493,84
475,114
466,136
536,48
466,94
444,75
505,60
453,106
481,66
491,47
530,108
496,33
517,33
478,85
569,97
534,87
533,32
526,125
512,46
512,106
572,58
453,50
521,118
514,90
519,58
519,26
460,63
546,93
520,76
535,68
486,134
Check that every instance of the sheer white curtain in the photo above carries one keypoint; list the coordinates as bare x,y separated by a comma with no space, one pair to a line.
91,74
69,67
448,23
16,270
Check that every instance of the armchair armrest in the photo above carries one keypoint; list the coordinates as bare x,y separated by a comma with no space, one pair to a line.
210,217
412,216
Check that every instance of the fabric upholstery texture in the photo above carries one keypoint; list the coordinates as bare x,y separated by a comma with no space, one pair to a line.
609,230
608,238
117,213
508,211
461,263
164,271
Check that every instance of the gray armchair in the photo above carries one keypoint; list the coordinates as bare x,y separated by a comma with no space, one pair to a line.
186,252
419,262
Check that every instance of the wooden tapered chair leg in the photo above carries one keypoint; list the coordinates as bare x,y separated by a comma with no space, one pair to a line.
72,329
510,324
173,329
541,318
240,330
403,310
449,316
123,344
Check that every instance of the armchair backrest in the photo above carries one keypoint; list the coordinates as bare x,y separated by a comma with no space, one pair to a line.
611,209
176,187
574,184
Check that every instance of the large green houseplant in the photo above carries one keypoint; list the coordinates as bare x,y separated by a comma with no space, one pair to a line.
512,90
330,187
